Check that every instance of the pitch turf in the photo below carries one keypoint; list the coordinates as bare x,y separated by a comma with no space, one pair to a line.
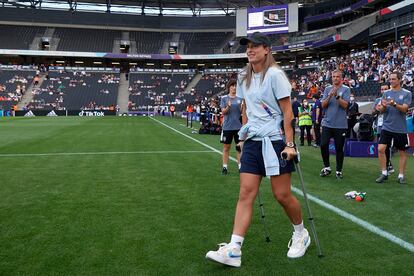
157,203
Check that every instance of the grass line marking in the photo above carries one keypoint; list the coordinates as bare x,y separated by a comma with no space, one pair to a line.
104,153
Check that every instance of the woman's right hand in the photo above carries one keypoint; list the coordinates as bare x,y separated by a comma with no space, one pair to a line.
289,153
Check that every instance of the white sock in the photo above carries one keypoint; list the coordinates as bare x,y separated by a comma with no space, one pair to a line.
400,175
225,166
384,172
236,240
298,228
327,168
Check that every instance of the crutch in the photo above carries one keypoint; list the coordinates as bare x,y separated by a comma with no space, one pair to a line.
263,216
298,169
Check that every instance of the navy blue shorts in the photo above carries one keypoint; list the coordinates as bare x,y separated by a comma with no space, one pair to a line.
252,159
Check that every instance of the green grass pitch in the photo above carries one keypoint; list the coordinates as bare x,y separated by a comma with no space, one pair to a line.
148,201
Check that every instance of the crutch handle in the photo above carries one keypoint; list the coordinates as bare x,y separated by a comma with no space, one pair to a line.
285,156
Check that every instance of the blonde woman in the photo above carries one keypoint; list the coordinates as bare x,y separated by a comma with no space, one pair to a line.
266,91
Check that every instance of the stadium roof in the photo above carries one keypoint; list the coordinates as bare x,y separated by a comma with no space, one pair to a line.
195,6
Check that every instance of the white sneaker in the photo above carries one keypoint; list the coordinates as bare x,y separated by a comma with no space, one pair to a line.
298,244
226,254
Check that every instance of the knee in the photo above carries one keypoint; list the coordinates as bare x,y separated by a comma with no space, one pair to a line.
247,195
381,148
226,148
283,197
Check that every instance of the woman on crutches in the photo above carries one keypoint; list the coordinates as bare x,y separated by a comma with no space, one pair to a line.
265,90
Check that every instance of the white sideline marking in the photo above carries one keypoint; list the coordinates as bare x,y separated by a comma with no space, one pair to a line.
101,153
370,227
366,225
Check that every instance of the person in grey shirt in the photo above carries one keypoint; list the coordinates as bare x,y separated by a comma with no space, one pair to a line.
378,122
394,106
335,102
230,106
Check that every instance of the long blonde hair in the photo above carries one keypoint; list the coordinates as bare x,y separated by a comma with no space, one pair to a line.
247,72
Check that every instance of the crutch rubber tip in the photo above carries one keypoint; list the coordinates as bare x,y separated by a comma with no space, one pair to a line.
321,255
267,239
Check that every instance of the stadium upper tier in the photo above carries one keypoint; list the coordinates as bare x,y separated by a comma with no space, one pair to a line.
110,41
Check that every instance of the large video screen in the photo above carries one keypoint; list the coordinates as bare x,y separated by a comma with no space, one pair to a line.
269,19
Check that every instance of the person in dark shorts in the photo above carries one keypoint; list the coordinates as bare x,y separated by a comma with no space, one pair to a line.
266,91
230,106
394,106
335,102
379,119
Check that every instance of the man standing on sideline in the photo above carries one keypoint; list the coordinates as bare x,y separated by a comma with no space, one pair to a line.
317,119
353,112
394,106
378,122
335,102
305,122
231,109
295,109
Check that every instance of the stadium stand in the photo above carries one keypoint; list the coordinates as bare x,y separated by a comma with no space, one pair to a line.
74,90
202,43
151,89
363,71
211,85
150,42
86,40
18,37
13,84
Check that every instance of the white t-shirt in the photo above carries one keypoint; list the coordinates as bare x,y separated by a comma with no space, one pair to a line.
261,97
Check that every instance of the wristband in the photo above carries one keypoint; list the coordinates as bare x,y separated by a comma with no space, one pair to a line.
337,97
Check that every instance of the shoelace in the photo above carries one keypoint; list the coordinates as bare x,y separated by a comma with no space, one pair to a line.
294,241
222,246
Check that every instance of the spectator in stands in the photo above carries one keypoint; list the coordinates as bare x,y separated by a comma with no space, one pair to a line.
230,106
266,92
317,119
172,110
379,118
352,115
335,102
305,122
394,105
36,80
312,90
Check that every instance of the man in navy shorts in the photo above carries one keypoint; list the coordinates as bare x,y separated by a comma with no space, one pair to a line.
394,106
230,106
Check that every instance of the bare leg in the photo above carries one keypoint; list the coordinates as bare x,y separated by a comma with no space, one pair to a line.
403,161
282,192
381,156
226,150
249,186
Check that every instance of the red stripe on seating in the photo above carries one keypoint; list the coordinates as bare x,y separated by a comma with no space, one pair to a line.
385,11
